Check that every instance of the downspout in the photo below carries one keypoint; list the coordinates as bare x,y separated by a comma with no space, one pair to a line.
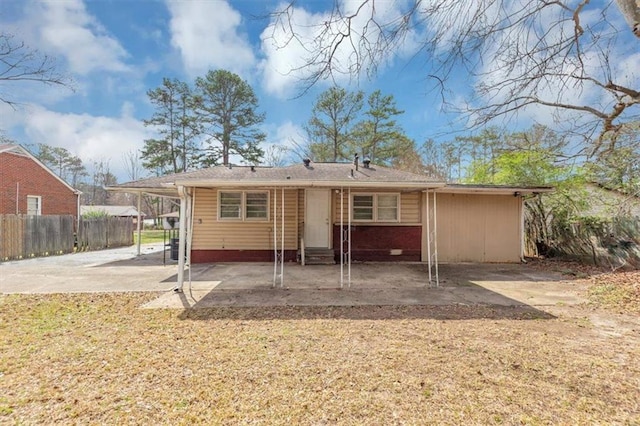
182,235
17,197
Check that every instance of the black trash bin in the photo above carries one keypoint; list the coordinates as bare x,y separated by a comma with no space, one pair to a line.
173,245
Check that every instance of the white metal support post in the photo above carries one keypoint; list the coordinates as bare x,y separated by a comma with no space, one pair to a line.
275,236
432,239
349,238
282,238
182,236
138,223
278,255
341,237
345,240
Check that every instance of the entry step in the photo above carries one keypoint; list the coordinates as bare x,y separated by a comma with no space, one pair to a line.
319,256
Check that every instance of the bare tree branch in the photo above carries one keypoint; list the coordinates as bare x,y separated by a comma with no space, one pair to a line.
556,54
19,63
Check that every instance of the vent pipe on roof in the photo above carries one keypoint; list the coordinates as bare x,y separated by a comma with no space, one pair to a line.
253,168
355,160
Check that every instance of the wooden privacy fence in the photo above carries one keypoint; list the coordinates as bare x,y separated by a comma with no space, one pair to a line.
24,236
104,232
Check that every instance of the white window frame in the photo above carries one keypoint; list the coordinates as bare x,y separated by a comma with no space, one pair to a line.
375,215
242,217
39,206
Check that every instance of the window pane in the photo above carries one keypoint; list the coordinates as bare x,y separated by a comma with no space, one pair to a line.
256,205
387,207
363,200
362,214
363,207
387,214
388,201
33,206
230,204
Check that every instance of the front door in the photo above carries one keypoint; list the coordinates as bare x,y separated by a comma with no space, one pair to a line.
317,215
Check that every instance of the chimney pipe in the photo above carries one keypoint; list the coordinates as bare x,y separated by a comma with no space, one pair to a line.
306,162
366,162
355,161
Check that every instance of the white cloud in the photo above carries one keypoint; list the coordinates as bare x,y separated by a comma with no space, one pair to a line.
207,35
65,28
502,76
290,45
92,138
284,141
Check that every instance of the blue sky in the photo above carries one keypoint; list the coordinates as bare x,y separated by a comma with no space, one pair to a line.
116,50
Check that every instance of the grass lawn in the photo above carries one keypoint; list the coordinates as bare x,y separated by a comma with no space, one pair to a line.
99,359
150,236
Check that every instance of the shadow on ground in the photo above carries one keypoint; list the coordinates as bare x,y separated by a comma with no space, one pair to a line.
365,312
376,291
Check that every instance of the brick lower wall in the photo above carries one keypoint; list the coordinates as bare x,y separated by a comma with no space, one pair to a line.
20,176
208,256
382,243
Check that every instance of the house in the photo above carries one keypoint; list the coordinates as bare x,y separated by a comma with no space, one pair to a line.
29,187
358,212
114,211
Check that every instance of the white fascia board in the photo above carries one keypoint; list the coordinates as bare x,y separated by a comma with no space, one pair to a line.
307,184
495,191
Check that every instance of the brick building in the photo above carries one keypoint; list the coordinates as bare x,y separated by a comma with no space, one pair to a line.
27,186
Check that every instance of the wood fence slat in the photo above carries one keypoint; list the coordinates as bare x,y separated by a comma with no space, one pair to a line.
29,236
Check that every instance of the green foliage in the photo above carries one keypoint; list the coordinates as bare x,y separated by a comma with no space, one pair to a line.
337,130
177,125
378,136
95,214
66,165
228,111
331,124
619,166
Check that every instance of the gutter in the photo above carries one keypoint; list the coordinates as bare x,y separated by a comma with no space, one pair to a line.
304,184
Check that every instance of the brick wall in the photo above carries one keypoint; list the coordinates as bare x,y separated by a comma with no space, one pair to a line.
57,199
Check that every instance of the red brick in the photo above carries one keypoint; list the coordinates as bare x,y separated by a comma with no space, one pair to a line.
24,176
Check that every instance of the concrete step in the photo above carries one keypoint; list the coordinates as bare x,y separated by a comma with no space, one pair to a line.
319,256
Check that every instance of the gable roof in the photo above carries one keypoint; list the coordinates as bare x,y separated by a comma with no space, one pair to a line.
124,211
15,149
295,176
314,175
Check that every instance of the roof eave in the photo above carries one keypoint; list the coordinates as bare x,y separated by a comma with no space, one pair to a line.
296,183
515,190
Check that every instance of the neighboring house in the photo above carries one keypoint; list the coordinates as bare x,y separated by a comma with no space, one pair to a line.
237,213
115,211
29,187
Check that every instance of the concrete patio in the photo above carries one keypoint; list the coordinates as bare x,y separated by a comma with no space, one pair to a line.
251,284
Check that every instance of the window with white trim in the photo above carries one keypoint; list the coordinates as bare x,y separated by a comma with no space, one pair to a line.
376,207
243,205
34,205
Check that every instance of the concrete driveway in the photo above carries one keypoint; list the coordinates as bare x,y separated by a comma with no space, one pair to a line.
251,284
114,270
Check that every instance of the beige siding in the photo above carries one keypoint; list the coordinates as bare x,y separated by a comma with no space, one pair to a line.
409,206
211,234
478,228
301,211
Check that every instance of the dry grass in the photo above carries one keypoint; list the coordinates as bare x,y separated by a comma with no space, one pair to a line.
98,359
619,292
